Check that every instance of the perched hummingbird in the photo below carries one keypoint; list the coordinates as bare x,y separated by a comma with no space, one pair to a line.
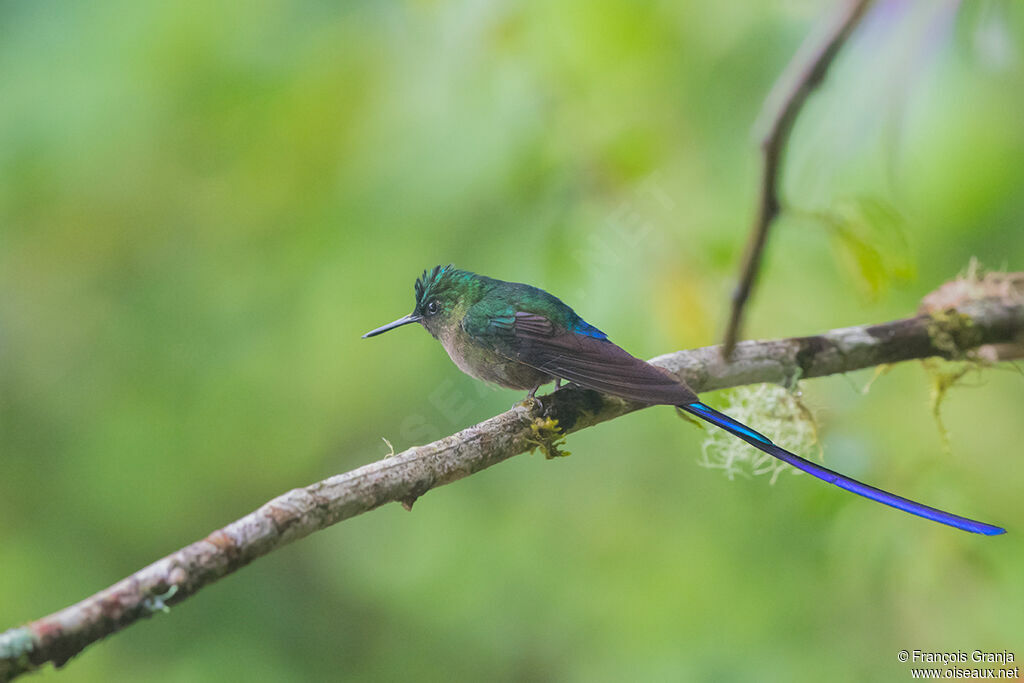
521,337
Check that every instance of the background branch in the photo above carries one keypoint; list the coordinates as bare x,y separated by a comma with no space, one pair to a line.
803,74
409,474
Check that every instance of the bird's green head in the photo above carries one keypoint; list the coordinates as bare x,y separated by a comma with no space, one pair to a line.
441,300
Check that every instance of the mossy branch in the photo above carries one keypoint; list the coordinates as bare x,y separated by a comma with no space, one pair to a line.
405,476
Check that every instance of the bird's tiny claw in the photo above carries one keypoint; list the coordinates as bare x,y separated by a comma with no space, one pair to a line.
531,404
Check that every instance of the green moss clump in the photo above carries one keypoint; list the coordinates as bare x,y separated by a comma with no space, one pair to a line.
548,437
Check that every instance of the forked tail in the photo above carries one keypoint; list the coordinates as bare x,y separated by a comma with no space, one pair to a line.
762,443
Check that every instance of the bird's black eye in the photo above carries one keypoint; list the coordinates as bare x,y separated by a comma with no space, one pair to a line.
432,307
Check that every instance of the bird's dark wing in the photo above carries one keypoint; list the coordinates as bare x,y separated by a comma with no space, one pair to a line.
580,353
579,357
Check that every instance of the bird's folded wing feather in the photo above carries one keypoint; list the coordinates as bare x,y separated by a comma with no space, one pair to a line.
591,362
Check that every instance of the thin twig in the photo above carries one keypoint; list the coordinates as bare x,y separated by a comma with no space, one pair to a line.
804,73
407,475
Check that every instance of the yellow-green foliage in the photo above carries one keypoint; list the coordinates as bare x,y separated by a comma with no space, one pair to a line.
870,241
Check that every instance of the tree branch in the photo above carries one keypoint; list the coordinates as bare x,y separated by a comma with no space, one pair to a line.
408,475
804,73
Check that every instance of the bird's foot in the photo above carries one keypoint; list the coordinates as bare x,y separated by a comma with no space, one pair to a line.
532,404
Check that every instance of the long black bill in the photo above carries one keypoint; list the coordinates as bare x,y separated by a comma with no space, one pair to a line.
411,318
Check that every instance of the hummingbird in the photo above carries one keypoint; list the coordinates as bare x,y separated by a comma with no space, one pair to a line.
520,337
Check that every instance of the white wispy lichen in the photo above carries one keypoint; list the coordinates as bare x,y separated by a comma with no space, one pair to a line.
776,412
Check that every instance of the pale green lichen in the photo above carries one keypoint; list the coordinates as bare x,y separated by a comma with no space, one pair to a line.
158,602
943,376
953,333
15,646
880,370
956,335
772,410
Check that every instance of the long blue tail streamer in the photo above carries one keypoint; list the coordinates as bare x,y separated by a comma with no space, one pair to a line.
762,443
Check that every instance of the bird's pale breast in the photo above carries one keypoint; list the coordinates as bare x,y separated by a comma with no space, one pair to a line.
482,363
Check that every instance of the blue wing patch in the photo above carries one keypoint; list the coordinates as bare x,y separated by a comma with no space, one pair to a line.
585,328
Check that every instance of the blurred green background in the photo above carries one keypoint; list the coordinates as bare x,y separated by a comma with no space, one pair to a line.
203,205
